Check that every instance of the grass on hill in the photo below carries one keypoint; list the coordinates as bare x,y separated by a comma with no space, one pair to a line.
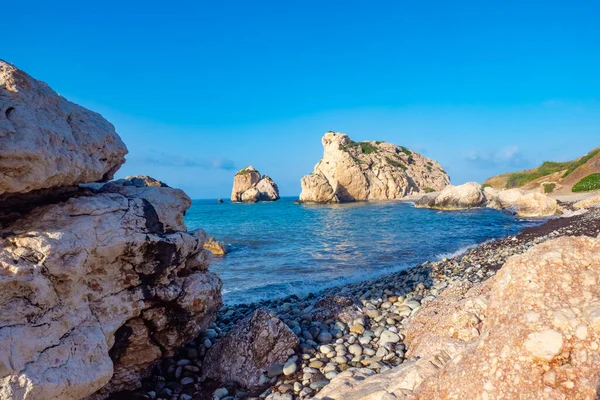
518,179
590,182
580,162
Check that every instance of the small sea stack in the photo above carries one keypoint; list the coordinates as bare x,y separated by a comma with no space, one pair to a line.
250,187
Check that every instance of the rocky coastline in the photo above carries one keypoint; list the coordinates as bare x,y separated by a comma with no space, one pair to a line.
357,327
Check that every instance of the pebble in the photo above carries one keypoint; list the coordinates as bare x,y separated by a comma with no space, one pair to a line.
274,370
290,366
389,337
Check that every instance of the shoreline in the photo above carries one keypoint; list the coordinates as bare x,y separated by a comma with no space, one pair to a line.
383,305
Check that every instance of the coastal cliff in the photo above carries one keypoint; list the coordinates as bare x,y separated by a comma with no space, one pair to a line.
98,281
359,171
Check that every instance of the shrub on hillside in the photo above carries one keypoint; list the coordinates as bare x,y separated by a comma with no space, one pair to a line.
590,182
549,187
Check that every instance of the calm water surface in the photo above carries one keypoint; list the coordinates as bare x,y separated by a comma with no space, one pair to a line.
281,248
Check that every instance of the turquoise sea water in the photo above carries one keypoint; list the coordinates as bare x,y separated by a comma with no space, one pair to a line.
281,248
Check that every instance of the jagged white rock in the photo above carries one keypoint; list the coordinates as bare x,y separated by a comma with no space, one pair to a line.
91,290
46,141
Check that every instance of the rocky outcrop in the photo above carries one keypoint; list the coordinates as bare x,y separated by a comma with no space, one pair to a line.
249,187
46,141
215,247
471,195
468,195
97,288
353,171
97,280
256,343
529,332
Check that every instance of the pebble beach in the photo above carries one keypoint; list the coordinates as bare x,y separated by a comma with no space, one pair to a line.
368,332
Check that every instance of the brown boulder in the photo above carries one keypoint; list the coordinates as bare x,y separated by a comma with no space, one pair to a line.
256,343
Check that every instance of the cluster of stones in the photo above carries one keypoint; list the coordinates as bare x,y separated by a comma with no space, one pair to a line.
473,195
367,331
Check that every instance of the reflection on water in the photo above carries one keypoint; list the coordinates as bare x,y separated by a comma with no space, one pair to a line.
281,248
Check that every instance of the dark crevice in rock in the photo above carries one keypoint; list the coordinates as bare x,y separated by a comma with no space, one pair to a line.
153,224
9,111
161,254
15,205
122,336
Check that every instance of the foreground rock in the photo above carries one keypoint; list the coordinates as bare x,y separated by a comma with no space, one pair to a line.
96,289
249,187
46,141
258,342
351,171
468,195
530,332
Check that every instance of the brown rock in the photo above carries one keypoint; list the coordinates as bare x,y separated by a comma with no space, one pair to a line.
253,345
215,247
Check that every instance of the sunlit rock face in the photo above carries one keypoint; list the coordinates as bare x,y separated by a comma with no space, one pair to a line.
46,141
353,171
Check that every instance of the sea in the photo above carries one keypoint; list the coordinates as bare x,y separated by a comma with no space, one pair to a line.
276,249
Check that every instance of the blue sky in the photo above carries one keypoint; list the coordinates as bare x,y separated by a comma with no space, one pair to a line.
200,89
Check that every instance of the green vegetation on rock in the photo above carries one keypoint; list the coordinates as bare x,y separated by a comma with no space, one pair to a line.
549,187
580,162
405,150
427,189
395,163
590,182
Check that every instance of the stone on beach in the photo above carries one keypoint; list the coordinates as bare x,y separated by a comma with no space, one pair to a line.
256,343
537,205
465,196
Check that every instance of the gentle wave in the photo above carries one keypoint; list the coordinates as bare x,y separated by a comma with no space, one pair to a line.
279,249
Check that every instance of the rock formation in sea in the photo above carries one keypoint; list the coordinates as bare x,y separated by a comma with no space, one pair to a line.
359,171
250,187
215,247
98,281
532,331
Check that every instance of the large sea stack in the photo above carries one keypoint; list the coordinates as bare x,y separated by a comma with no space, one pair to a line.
98,280
358,171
